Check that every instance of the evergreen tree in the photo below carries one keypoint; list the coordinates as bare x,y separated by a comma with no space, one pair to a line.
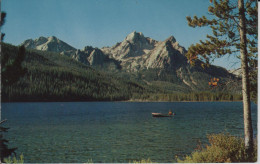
11,71
4,150
234,29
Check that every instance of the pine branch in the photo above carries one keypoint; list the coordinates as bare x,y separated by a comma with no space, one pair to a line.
3,121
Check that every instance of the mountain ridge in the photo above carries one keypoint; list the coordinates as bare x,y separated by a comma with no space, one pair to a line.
139,57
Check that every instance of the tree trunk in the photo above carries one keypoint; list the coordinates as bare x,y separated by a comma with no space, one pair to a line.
248,130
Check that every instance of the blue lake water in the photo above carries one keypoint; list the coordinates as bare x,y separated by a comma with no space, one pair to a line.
77,132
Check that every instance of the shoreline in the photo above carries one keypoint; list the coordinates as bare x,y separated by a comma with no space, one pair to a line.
133,101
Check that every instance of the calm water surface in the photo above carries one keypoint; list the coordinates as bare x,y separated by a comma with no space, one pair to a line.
116,131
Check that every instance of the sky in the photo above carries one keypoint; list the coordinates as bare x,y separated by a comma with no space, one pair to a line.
100,23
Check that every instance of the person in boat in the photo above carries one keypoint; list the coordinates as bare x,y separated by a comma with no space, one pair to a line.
170,112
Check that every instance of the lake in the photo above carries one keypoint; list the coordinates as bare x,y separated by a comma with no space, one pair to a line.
77,132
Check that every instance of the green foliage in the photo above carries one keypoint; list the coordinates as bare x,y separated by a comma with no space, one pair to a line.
193,96
2,22
14,160
4,150
12,70
142,161
252,31
223,28
90,161
222,148
225,38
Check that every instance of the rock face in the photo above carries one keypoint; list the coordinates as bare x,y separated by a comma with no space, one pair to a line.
236,72
89,55
94,57
166,54
48,44
137,52
134,45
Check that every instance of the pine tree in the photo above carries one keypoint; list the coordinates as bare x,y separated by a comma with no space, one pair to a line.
11,71
4,150
234,30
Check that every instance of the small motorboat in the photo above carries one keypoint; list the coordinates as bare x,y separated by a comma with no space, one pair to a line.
162,115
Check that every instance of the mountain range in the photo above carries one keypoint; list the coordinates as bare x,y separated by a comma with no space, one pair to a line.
135,52
151,62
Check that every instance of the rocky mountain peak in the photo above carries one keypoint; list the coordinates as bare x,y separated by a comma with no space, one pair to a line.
40,40
29,43
135,37
88,49
48,44
134,45
171,39
53,39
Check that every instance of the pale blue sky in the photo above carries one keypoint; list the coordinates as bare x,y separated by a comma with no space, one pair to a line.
101,23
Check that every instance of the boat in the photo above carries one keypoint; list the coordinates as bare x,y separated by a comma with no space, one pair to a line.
162,115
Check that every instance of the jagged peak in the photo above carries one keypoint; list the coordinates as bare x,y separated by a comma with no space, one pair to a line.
28,40
171,39
51,43
134,35
41,39
28,43
53,38
88,48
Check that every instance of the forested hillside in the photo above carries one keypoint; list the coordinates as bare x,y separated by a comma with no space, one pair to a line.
54,77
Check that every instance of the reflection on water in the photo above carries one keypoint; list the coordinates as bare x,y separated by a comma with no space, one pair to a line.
116,131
